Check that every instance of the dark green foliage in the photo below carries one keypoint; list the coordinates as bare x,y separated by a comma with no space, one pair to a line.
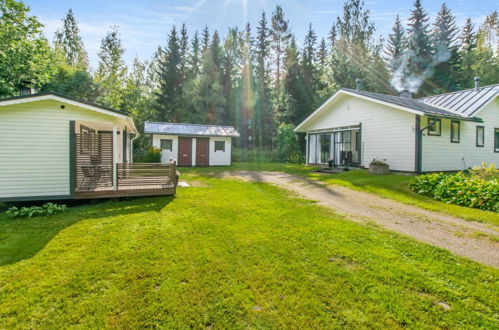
151,155
460,189
112,70
169,96
287,144
33,211
25,56
68,42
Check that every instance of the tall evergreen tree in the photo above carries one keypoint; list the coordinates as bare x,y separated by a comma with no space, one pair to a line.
111,72
68,42
396,46
468,36
184,48
280,38
420,50
263,116
169,97
446,57
205,39
194,57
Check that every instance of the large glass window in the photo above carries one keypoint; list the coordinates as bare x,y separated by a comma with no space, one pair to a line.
325,147
480,136
455,131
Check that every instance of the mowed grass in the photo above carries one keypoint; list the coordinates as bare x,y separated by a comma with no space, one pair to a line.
230,254
394,186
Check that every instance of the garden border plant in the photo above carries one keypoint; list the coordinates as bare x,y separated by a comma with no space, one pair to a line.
478,189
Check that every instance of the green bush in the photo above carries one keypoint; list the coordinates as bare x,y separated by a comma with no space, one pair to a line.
151,155
254,155
287,146
460,189
46,209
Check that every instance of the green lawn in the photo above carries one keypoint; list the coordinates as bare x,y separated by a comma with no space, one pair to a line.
394,186
230,254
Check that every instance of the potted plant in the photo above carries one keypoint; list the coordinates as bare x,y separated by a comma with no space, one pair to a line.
379,167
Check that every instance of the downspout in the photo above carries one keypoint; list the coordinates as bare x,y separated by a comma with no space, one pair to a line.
418,144
131,146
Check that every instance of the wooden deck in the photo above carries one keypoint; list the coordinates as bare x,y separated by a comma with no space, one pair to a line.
129,191
131,180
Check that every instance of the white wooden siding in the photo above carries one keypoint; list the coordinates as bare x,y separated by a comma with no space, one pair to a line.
220,158
387,132
166,154
439,154
34,147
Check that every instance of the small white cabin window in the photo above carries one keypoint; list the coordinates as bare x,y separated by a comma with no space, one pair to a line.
434,127
220,146
496,139
455,134
166,144
480,136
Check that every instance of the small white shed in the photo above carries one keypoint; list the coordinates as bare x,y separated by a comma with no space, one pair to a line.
193,144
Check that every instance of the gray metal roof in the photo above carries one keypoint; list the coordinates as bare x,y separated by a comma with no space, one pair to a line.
408,103
189,129
464,103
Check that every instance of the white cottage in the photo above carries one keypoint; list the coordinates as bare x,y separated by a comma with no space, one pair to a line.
193,144
54,147
446,132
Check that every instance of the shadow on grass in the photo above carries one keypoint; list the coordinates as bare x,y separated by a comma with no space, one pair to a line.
23,238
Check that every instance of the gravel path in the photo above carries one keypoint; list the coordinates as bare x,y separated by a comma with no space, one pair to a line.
466,238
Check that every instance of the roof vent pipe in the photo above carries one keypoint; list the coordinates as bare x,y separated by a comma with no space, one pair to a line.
357,84
477,84
406,93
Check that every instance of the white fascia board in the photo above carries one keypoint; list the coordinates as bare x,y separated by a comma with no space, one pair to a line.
64,100
388,104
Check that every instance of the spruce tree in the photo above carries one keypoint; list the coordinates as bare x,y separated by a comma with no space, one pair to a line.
280,38
420,50
264,117
322,54
396,45
111,72
468,36
446,56
194,57
68,42
169,97
205,38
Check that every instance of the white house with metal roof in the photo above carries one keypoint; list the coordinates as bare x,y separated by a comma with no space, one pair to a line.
193,144
54,147
446,132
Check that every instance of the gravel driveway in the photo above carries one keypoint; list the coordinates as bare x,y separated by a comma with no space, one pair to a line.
466,238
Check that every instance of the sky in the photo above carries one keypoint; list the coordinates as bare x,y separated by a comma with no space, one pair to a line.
144,25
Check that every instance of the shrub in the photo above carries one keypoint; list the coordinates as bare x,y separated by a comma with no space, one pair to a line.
255,155
151,155
460,189
287,146
378,162
46,209
485,171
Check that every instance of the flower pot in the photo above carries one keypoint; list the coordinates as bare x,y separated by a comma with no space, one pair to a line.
379,169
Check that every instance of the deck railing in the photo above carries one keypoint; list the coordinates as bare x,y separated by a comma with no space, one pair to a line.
141,175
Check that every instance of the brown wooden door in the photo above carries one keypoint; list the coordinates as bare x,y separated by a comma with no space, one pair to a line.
202,152
184,151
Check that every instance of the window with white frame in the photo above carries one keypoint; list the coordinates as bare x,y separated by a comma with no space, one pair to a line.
480,136
166,144
220,146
